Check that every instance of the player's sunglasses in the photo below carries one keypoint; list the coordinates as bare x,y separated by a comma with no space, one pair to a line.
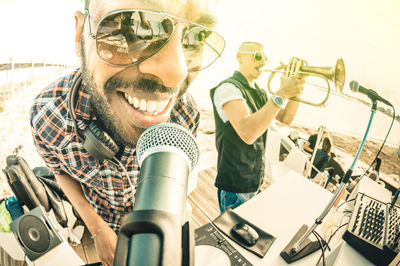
258,56
129,36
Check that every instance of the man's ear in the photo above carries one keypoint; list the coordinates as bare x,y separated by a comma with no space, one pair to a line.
79,23
239,58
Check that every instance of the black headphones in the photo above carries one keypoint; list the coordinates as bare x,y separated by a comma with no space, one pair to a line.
96,141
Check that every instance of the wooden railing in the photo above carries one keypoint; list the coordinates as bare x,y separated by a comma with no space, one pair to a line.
15,74
11,65
8,69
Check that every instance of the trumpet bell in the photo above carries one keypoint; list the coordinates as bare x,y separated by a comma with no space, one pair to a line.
334,74
340,75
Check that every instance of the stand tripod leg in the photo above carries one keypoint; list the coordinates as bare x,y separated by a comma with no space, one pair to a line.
307,247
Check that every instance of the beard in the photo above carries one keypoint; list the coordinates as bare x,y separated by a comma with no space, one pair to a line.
100,102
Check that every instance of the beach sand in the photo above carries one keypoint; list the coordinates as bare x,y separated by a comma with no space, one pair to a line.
346,144
390,160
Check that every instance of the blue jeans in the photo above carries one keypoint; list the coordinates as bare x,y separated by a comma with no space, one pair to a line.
232,200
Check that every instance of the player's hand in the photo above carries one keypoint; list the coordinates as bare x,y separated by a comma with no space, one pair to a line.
292,82
293,68
291,86
106,242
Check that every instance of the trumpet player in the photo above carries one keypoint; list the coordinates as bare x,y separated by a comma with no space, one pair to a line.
242,114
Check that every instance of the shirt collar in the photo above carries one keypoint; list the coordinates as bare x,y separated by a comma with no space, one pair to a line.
83,108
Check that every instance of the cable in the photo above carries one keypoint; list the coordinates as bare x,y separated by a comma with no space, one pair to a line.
326,244
132,186
322,247
330,238
380,149
347,211
345,203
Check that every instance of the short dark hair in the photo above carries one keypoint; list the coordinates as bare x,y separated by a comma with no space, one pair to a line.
326,145
378,164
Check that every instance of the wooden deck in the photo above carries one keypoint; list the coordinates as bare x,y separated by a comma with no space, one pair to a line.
203,199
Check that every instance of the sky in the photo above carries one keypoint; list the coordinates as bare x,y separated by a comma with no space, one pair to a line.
365,33
38,30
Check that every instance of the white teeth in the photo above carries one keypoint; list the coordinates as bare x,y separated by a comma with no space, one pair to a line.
130,99
152,107
142,105
136,102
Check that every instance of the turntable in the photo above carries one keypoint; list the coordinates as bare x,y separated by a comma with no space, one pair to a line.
210,256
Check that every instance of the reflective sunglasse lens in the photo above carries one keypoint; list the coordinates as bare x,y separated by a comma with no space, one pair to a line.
258,56
128,37
201,47
125,38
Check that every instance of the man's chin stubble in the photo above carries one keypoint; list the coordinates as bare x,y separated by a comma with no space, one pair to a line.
101,105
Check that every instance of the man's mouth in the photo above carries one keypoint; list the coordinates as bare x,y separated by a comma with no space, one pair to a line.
146,106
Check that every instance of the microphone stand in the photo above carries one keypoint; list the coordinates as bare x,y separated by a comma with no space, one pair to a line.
148,237
300,245
156,233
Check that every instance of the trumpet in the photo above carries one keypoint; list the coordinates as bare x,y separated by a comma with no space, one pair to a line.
334,74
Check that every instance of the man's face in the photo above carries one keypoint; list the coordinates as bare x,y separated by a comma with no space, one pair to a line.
130,99
252,60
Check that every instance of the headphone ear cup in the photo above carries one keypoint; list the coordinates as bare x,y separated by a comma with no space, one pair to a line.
98,143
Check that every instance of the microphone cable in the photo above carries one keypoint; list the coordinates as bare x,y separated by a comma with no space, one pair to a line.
330,238
322,246
380,149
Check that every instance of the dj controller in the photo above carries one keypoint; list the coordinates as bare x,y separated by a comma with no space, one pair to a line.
214,246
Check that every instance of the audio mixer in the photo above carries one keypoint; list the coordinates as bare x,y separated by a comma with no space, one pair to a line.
374,229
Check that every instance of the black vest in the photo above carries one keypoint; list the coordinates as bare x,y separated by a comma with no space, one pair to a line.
240,166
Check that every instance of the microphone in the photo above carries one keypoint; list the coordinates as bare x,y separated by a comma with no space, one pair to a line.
152,232
354,86
167,153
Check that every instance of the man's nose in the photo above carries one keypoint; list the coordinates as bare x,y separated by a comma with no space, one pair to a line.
169,63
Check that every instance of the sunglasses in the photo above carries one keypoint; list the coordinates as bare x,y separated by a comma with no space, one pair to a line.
258,56
130,36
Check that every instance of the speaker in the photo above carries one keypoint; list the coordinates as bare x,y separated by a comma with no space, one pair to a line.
35,233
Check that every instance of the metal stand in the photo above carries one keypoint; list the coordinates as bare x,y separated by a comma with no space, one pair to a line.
300,245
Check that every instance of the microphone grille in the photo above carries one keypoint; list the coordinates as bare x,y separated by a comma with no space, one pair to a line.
354,86
168,137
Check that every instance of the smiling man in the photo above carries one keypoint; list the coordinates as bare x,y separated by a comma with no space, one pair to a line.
242,116
137,60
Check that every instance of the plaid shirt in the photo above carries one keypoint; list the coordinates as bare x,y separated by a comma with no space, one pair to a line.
104,184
